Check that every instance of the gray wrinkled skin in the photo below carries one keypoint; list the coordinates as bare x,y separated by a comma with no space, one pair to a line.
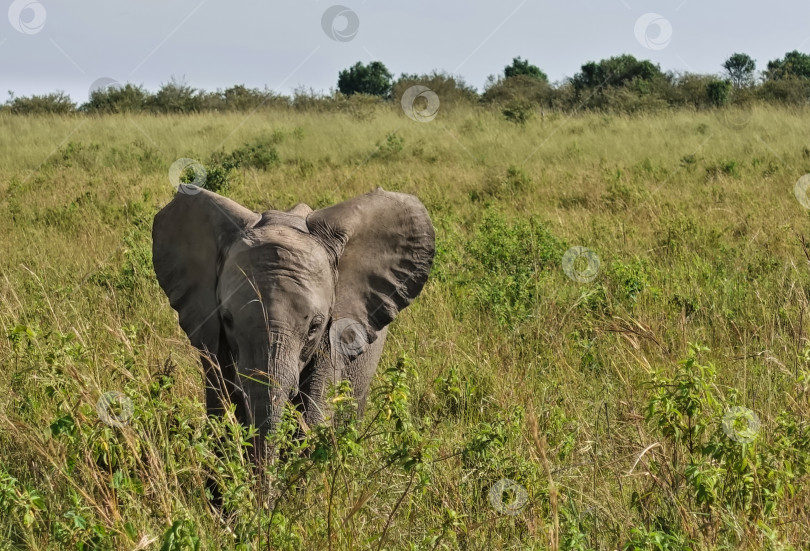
283,305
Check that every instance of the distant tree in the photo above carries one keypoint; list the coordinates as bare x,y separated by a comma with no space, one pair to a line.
520,88
719,92
523,67
615,72
176,97
740,70
117,99
373,79
451,89
242,98
794,65
690,89
58,103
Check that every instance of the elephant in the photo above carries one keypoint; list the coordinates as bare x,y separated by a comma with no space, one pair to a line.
281,305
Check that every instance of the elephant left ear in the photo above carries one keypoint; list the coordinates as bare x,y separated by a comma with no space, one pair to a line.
384,243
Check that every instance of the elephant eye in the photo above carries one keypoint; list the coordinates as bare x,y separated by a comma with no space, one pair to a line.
316,324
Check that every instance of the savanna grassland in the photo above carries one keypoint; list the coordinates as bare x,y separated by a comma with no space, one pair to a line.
604,399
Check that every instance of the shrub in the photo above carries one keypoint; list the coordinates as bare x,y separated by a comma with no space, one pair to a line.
787,91
719,92
794,65
217,176
373,79
511,256
518,112
241,98
522,67
175,97
630,280
391,147
716,460
689,89
518,89
259,153
113,99
616,72
58,103
452,90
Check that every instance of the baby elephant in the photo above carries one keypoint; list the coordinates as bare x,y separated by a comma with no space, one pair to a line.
283,304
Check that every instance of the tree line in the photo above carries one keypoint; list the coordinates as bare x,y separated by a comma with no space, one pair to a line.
616,84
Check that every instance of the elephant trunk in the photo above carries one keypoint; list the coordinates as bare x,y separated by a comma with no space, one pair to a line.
269,391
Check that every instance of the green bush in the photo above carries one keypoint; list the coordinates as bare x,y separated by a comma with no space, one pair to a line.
629,280
719,92
259,153
785,91
390,148
175,97
619,71
241,98
522,67
373,79
117,99
512,257
518,112
58,103
794,65
689,90
720,468
520,89
452,90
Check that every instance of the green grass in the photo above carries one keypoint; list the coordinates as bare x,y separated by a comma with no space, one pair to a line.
589,395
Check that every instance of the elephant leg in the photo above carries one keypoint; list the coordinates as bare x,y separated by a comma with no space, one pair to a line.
222,387
221,390
321,373
215,389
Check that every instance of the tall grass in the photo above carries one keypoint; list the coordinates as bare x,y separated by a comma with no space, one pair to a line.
604,400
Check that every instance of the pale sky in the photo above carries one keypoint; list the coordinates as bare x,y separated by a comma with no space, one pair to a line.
48,45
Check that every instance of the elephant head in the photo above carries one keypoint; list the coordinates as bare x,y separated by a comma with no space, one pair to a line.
267,297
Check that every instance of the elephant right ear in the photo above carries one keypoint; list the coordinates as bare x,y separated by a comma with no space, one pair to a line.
188,235
384,242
